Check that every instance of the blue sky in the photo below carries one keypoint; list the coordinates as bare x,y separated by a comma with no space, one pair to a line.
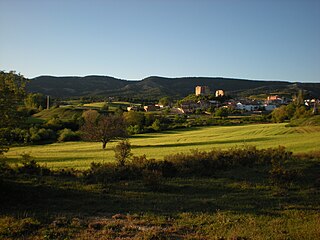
133,39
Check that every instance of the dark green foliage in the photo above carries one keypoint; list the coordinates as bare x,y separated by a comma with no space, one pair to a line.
4,142
66,135
279,174
35,101
309,121
5,169
196,163
280,114
134,129
222,112
165,101
238,202
108,173
152,179
54,123
202,163
157,87
31,167
98,127
122,152
156,125
12,93
293,111
38,135
135,121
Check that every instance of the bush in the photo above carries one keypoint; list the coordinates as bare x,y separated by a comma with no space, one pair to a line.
202,163
31,167
108,172
195,163
134,129
37,135
122,152
152,179
5,169
66,135
13,228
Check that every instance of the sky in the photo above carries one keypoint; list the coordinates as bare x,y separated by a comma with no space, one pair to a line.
134,39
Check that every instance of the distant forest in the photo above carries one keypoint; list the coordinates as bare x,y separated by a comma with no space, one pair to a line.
157,87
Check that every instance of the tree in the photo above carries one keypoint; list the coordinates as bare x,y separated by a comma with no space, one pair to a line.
299,99
12,93
35,100
122,152
156,125
279,114
134,118
222,112
102,128
165,101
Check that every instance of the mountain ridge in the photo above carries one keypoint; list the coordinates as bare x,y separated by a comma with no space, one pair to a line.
156,86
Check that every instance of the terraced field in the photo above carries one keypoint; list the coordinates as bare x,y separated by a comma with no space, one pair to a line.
157,145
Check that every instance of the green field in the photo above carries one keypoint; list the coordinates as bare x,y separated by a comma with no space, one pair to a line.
112,105
157,145
239,202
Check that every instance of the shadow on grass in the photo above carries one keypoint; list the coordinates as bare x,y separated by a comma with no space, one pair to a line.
52,159
71,197
194,144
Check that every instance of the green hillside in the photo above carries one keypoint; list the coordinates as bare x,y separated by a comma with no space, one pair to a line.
157,145
156,87
62,112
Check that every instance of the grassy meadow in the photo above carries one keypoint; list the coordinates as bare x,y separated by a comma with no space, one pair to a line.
157,145
239,202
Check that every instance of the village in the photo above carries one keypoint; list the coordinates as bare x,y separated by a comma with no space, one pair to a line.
205,101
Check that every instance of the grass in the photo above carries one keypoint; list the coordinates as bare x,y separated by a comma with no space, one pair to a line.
112,105
63,113
235,203
238,203
157,145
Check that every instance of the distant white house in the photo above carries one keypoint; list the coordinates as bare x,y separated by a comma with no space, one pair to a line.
247,107
255,107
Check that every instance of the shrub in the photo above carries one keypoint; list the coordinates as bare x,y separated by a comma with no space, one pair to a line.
108,172
5,168
11,227
31,167
195,163
134,129
202,163
152,179
278,173
66,135
54,123
122,151
42,134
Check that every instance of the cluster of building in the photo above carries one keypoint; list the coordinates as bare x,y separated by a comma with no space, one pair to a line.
205,90
269,104
248,105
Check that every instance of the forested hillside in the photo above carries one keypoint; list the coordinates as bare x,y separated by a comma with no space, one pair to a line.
155,87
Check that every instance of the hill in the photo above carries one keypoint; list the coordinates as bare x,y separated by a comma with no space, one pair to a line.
155,87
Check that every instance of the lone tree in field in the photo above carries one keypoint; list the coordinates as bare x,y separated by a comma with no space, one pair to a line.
102,128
